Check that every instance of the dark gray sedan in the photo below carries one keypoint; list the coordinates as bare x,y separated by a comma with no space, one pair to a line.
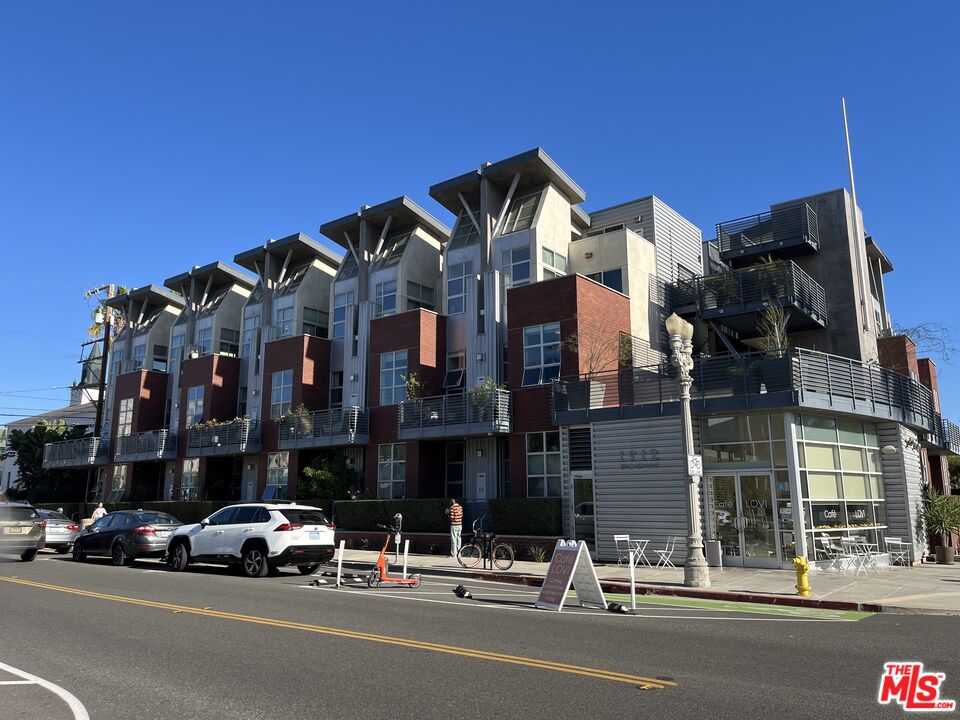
61,530
126,535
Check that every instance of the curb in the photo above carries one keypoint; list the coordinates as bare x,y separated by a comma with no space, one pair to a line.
618,586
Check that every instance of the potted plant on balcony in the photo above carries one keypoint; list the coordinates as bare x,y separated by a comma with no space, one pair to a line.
409,409
298,420
941,515
725,288
480,396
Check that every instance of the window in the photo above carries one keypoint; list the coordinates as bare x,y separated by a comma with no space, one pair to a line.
229,342
604,230
251,321
543,464
684,273
457,275
116,360
205,336
278,469
125,417
160,353
176,352
393,370
349,267
340,302
281,392
385,296
194,405
189,474
455,371
139,354
242,401
613,279
521,212
391,471
541,354
393,248
466,231
315,322
119,482
336,389
419,296
555,264
224,517
455,469
516,266
283,318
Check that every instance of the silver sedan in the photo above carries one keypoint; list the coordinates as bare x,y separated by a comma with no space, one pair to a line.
61,530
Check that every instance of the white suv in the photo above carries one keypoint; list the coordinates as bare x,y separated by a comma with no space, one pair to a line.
257,536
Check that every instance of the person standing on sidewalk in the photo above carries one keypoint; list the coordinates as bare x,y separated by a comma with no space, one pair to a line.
99,512
455,514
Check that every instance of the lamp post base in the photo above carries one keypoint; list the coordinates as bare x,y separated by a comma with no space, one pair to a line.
696,573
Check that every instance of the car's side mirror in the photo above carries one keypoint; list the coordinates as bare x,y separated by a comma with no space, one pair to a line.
205,522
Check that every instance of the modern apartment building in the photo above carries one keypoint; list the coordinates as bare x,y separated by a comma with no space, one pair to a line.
522,353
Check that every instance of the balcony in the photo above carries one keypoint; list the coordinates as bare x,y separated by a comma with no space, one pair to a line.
796,378
290,329
474,413
146,446
82,452
336,427
784,232
943,438
736,298
235,437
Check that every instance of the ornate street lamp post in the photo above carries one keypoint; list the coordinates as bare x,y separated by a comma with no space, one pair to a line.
695,571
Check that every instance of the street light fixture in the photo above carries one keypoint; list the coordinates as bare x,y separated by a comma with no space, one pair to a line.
695,571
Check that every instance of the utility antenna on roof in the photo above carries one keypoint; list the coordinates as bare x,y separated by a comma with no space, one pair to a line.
857,230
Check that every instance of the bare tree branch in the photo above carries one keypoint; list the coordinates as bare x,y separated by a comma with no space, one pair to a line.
931,338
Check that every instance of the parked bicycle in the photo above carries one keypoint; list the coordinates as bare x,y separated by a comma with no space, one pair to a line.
483,546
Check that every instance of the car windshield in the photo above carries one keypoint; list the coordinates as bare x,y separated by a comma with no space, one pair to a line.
16,512
305,517
158,518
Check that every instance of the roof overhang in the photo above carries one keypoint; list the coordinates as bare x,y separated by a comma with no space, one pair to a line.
153,294
221,273
875,253
302,248
405,212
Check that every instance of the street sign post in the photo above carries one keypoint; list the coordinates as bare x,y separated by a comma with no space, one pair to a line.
694,465
570,565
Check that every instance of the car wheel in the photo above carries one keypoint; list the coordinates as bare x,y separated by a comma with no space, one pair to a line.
119,555
255,563
78,554
28,555
308,569
179,557
62,549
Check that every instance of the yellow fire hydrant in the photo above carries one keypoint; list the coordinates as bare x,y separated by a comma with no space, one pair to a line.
802,568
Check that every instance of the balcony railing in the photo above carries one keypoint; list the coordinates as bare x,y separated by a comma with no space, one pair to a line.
290,329
326,428
785,231
748,291
945,436
82,452
476,412
726,383
234,437
144,446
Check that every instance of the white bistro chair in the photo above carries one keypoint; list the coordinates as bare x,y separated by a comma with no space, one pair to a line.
666,554
622,543
900,551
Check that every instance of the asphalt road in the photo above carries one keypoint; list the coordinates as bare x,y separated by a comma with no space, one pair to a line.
143,642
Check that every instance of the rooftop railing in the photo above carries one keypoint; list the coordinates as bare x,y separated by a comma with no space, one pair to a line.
475,412
233,437
326,428
793,378
769,231
74,453
147,445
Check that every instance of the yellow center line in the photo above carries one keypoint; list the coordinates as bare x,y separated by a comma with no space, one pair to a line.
646,682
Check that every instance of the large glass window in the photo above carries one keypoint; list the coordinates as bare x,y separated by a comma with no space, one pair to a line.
455,469
119,482
281,393
393,370
194,405
419,296
176,352
340,302
189,474
521,212
385,297
555,264
125,417
541,354
543,464
613,279
278,473
391,470
251,321
315,322
465,231
283,317
336,389
456,286
229,342
139,354
205,336
516,266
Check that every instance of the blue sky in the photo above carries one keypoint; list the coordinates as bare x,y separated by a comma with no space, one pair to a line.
139,139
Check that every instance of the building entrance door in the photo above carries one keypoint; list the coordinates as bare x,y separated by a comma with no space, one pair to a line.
740,515
583,518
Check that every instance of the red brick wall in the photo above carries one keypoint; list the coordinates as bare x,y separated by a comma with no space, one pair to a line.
898,353
309,358
422,334
149,392
220,377
928,376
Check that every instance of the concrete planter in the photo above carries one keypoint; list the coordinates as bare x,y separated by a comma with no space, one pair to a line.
945,555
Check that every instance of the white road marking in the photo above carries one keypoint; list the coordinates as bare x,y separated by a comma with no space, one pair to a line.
17,682
76,707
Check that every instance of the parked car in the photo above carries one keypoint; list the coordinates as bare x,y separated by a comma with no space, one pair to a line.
126,535
21,530
61,531
256,536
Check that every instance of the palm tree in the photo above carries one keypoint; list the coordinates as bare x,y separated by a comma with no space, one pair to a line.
98,316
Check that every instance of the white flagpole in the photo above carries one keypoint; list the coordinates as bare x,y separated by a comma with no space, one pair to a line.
857,232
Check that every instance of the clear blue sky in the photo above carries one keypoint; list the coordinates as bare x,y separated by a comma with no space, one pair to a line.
139,139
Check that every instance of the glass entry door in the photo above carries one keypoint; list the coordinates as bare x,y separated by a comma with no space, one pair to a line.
740,515
583,525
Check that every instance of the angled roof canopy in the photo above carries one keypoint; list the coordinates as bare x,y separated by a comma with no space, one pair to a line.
404,211
153,294
303,250
221,273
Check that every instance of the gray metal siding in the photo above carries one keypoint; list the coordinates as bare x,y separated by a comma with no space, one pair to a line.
627,213
648,502
903,485
678,241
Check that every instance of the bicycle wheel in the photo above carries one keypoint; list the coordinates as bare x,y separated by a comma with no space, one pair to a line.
503,557
469,556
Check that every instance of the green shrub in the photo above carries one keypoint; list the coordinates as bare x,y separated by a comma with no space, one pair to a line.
537,554
526,516
423,515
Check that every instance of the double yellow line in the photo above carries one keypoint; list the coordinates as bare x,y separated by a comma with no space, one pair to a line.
644,682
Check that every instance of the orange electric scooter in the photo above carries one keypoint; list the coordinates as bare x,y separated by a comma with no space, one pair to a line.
378,574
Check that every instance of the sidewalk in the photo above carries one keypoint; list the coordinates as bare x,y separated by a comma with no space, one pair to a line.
926,589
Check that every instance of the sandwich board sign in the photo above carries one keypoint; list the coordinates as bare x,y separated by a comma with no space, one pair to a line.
570,565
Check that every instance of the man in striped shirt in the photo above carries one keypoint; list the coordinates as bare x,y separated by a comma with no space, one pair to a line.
455,514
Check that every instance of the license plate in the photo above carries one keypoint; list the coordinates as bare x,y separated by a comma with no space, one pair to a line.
163,533
314,536
15,530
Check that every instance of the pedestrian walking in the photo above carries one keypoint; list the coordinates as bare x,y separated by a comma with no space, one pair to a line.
99,512
455,515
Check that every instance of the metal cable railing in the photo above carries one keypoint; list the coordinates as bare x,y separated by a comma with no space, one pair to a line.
796,223
486,410
325,427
